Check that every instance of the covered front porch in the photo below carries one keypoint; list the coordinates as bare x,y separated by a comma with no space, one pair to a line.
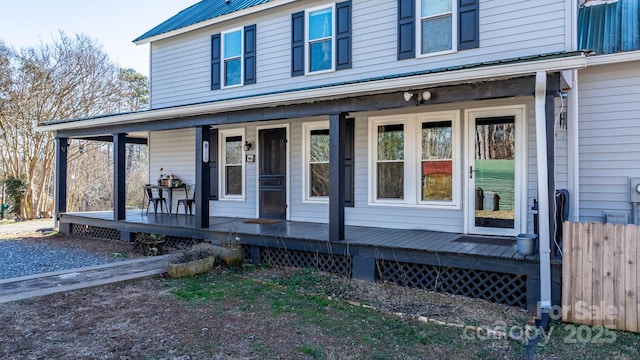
487,267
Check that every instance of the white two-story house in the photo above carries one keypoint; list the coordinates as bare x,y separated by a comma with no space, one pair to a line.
440,118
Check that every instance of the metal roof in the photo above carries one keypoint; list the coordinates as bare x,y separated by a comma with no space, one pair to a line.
526,61
202,11
609,27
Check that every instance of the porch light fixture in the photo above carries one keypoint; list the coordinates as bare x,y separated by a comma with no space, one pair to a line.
420,97
247,146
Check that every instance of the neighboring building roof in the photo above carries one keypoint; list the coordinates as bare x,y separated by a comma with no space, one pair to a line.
609,27
202,11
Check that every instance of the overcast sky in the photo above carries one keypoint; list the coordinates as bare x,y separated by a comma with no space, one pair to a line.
113,23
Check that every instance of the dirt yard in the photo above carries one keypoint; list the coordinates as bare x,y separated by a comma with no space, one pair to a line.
143,319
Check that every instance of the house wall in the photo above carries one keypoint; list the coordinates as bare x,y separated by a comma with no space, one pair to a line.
609,133
174,150
508,29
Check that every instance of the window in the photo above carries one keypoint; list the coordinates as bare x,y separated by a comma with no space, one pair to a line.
233,58
319,163
431,27
437,162
390,162
316,150
436,26
415,159
231,158
321,39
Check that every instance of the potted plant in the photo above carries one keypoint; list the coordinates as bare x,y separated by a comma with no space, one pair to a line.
233,252
191,262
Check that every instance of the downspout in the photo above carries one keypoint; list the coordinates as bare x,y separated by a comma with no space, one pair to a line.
543,191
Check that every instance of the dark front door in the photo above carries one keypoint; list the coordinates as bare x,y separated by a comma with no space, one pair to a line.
273,171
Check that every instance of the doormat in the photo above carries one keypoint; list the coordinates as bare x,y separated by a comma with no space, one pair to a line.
261,221
486,240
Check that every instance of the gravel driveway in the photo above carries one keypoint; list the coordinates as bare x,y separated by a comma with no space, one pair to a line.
22,251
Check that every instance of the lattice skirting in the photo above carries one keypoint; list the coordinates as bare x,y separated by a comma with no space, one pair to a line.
502,288
94,232
338,264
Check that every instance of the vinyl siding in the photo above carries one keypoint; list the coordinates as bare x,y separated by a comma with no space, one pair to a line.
180,70
609,133
174,151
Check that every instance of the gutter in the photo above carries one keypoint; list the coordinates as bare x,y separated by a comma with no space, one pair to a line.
329,92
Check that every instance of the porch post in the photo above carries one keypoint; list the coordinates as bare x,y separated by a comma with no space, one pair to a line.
550,114
119,176
543,191
60,204
202,176
337,138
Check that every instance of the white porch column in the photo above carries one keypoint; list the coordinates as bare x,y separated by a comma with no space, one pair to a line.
543,190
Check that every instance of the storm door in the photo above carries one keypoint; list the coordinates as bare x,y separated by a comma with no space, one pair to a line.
272,181
494,174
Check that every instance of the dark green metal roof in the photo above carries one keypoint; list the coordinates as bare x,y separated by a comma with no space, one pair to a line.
522,59
609,27
202,11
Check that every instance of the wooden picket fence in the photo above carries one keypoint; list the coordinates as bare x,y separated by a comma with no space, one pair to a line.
599,275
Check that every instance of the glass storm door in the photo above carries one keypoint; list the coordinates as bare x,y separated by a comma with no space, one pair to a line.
273,171
494,189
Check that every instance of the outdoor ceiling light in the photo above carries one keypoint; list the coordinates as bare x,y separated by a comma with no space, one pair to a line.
419,96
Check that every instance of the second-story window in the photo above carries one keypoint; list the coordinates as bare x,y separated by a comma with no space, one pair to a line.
232,57
436,26
430,27
321,39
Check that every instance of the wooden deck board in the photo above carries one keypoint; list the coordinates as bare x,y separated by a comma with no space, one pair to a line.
421,240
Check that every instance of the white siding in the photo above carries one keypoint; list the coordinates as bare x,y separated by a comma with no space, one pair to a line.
609,133
180,71
174,152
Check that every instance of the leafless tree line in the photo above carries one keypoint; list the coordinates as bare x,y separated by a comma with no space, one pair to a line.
70,78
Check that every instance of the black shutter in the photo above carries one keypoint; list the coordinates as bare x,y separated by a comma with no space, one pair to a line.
406,29
343,35
216,59
349,168
468,24
297,44
250,54
213,164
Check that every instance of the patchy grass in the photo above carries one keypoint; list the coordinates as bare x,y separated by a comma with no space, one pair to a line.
304,303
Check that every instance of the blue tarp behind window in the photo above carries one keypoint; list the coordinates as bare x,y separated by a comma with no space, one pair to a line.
610,28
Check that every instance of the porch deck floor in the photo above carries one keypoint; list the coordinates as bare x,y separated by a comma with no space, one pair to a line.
401,239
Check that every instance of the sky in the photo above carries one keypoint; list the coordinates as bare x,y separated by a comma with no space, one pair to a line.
112,23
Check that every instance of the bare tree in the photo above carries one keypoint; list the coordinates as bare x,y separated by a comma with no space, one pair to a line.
72,78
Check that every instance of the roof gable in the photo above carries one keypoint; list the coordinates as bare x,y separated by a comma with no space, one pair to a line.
202,11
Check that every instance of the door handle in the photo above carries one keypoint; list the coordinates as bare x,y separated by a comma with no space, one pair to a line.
470,172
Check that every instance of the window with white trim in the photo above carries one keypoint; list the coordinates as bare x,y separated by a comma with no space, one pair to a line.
415,159
320,39
437,26
232,57
316,164
232,164
390,161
